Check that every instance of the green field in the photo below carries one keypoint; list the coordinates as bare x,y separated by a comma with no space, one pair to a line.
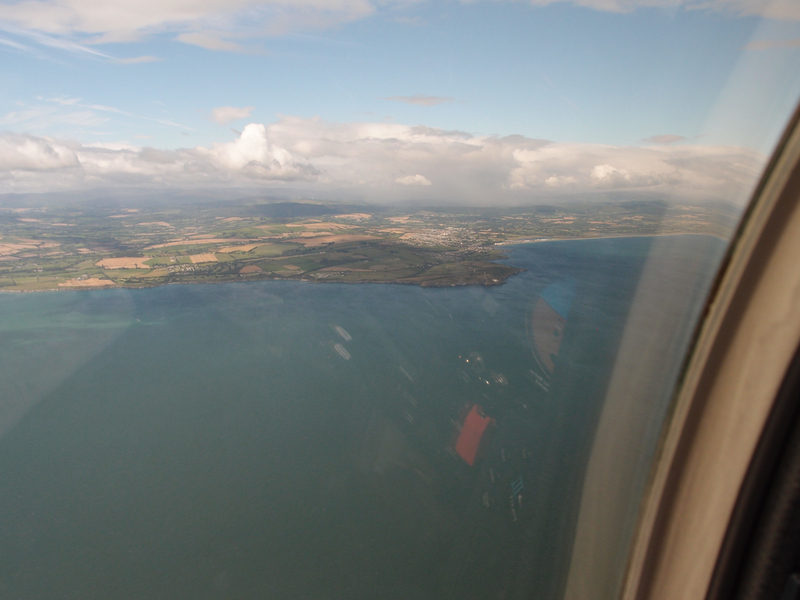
61,247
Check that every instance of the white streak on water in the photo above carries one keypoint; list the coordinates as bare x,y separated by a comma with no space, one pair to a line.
342,352
342,332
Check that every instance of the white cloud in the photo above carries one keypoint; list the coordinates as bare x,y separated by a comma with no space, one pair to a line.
45,117
49,41
28,153
15,45
201,22
688,171
369,160
255,156
560,181
609,174
228,114
231,25
61,111
413,180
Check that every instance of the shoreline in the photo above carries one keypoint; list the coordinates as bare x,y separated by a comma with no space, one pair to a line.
312,281
527,240
516,242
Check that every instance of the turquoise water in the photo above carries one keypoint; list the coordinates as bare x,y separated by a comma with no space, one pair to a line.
295,440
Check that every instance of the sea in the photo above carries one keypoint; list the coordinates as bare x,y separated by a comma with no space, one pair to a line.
294,440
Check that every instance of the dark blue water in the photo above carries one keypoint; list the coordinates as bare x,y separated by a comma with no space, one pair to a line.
293,440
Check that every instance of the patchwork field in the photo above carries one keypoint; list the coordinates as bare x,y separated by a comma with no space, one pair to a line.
125,262
202,258
71,247
86,283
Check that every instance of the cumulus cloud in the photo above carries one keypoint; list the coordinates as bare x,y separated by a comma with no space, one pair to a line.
228,114
420,100
28,153
687,171
414,180
385,162
255,156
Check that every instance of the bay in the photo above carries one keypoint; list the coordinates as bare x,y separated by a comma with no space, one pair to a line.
295,440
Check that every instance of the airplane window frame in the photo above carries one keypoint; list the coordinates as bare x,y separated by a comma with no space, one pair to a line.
744,348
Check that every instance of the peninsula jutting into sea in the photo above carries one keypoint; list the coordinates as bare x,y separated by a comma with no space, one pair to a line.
74,246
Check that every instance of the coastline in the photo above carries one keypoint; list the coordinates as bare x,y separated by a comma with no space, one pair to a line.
528,240
423,283
437,283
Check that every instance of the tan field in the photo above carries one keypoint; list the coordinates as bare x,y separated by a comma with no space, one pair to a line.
6,249
332,239
203,258
91,282
357,216
250,270
291,267
124,262
243,248
202,240
159,223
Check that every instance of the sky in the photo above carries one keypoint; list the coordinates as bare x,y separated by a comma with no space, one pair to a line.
486,101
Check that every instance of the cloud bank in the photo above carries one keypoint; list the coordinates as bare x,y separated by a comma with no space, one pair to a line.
387,162
414,180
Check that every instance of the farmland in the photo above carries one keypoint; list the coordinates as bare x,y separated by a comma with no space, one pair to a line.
79,246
